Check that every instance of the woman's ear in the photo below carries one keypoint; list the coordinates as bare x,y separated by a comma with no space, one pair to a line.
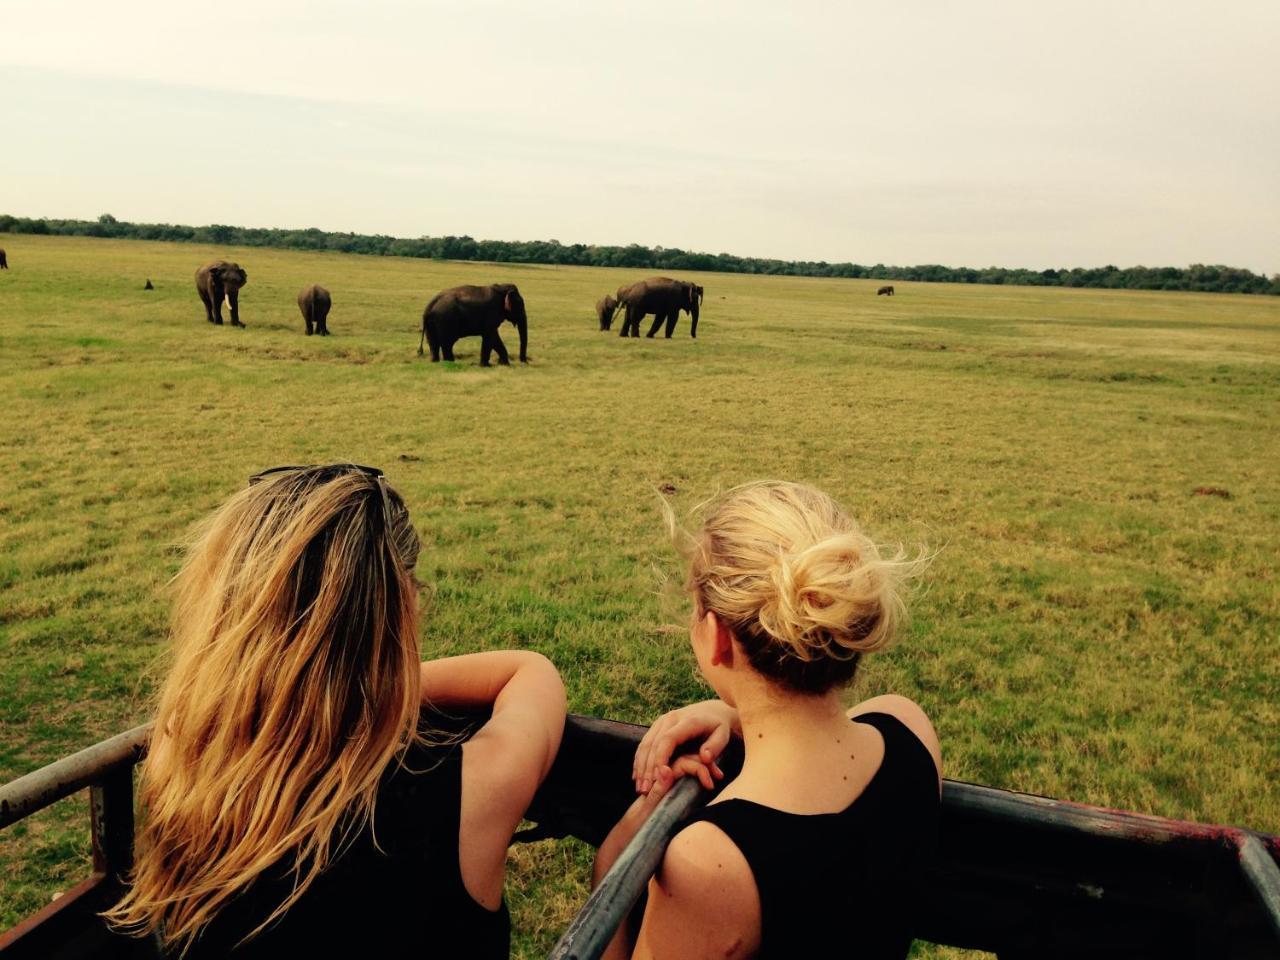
722,652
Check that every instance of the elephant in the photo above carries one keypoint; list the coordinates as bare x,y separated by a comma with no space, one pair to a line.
887,291
314,302
149,285
664,298
472,311
606,307
217,281
4,262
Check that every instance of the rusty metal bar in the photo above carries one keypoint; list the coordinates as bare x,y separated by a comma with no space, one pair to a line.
1263,876
62,778
13,940
1070,817
592,929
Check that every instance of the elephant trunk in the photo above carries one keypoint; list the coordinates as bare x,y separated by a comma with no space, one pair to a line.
523,327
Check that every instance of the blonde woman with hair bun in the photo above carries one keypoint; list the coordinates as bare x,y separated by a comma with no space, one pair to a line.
291,802
813,849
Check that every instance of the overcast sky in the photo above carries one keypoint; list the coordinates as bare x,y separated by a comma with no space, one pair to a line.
918,131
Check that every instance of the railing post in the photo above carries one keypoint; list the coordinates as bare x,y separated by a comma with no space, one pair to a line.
111,805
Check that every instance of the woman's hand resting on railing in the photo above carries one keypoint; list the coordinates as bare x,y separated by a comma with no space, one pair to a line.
712,720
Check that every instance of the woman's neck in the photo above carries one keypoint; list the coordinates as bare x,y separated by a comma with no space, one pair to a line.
803,755
773,720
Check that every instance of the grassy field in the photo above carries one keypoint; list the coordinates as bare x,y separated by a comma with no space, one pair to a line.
1091,628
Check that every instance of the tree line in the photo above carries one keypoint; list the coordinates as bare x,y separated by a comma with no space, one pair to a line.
1204,278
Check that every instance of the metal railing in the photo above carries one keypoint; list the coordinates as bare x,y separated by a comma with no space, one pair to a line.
1080,877
106,769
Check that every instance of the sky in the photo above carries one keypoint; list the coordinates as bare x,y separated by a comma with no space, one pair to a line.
920,131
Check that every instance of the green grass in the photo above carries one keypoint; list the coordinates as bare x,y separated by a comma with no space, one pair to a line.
1090,628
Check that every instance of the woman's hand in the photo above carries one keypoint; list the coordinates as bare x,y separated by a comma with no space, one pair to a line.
712,720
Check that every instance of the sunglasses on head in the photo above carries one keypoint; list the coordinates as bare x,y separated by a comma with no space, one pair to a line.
326,472
322,472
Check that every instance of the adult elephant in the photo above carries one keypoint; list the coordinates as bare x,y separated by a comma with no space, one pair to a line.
885,292
218,281
314,302
472,311
606,307
662,297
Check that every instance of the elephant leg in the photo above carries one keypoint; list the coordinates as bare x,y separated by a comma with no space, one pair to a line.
447,346
208,306
324,325
501,347
657,322
308,320
671,322
486,349
233,299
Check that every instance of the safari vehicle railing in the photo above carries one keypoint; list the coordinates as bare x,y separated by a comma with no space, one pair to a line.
1017,875
69,926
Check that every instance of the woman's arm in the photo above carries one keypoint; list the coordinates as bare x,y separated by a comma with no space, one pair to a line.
507,759
474,679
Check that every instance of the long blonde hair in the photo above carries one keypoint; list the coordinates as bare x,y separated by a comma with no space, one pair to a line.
294,685
803,589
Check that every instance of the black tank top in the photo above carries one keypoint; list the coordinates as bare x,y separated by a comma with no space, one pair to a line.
403,896
842,884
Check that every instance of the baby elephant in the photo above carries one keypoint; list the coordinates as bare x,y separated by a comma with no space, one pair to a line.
4,263
314,302
606,307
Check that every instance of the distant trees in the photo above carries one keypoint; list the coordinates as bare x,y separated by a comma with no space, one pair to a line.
1198,277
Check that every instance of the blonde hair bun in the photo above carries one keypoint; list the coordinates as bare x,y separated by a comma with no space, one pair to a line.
805,591
834,598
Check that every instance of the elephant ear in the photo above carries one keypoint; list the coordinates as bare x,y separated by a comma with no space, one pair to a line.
506,301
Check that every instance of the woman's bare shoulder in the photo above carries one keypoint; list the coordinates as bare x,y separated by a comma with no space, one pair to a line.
703,900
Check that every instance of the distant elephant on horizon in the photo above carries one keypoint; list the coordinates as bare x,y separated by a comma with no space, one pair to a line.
314,302
218,281
472,311
4,262
664,298
886,291
606,307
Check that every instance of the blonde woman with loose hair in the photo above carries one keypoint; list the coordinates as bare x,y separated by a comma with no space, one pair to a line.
290,800
812,850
